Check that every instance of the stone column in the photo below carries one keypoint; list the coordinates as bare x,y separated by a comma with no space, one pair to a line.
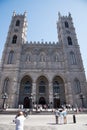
68,93
50,94
34,92
15,92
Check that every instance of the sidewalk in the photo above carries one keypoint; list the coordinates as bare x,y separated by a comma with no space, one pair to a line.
45,122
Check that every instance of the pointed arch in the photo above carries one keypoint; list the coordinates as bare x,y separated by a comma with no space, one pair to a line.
57,83
10,57
55,57
14,40
56,87
18,23
58,91
26,85
42,100
77,86
25,90
42,89
72,58
28,57
69,40
42,86
42,57
66,24
6,85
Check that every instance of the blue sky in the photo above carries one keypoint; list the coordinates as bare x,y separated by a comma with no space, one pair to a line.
42,16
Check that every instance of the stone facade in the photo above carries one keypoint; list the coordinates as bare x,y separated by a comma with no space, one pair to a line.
42,73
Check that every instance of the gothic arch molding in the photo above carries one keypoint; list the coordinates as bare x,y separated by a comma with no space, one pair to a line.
25,90
60,76
58,91
42,89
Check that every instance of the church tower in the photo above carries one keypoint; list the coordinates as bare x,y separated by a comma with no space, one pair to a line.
75,86
17,29
11,56
15,38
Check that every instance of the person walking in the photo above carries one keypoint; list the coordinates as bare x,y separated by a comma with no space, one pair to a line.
61,119
57,115
65,115
19,121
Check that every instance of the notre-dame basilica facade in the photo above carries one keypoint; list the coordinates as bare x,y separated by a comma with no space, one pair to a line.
41,72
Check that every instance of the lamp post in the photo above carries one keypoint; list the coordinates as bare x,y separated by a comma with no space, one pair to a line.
4,97
82,99
31,96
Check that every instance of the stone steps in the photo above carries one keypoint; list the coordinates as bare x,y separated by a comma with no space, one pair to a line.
30,112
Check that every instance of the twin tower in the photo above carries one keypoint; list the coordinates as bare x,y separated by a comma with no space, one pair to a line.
49,74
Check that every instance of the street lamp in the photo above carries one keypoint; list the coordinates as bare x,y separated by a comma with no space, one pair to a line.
82,99
31,96
4,97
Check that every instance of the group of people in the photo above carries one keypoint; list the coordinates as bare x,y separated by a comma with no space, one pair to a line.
39,107
61,116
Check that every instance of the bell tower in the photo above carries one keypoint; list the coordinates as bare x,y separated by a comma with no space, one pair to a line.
16,37
68,40
66,30
73,65
11,57
17,29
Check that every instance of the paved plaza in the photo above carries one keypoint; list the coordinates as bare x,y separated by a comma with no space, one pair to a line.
45,122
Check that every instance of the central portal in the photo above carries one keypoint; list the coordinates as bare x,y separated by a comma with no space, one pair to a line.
26,102
56,103
42,101
42,91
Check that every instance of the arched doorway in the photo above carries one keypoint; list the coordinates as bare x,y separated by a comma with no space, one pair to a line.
56,103
58,92
26,102
42,90
42,101
25,91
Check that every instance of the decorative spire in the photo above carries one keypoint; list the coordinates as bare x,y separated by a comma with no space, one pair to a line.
42,40
14,13
69,14
25,13
59,14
